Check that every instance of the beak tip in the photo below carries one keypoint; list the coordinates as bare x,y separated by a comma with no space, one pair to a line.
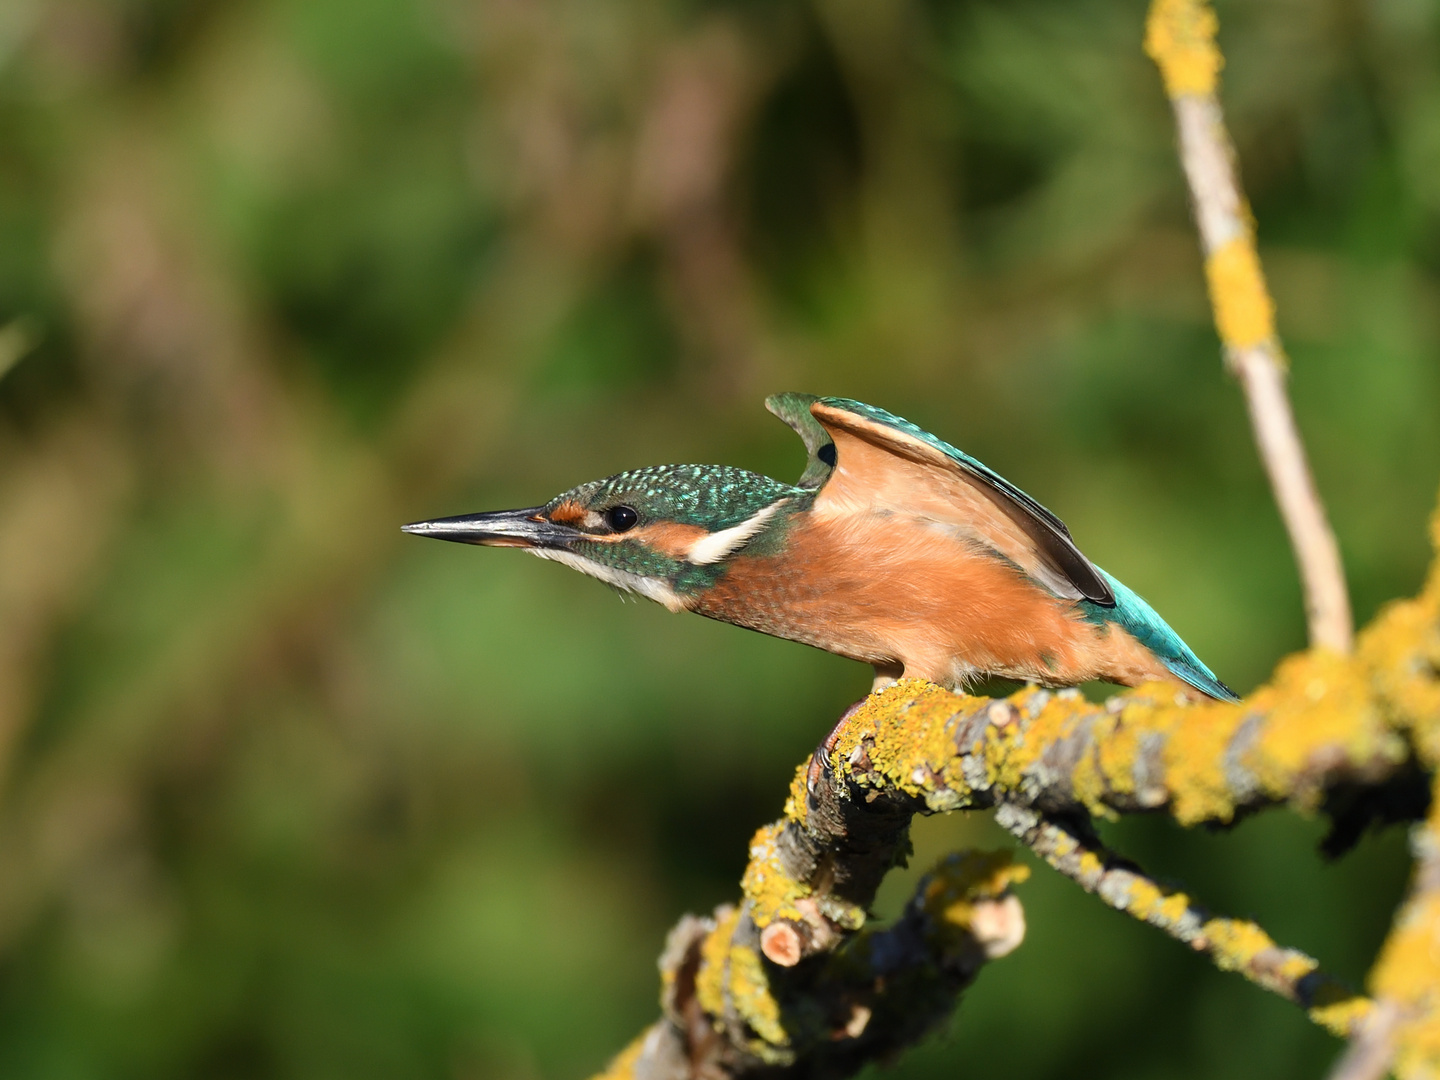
502,528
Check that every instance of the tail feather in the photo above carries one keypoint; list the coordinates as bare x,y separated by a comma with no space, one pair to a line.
1139,619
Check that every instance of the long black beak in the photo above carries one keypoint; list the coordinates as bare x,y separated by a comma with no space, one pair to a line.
499,528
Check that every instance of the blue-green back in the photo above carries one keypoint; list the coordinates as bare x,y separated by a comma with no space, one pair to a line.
1134,615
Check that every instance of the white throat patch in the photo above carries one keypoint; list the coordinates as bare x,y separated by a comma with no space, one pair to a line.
718,545
653,588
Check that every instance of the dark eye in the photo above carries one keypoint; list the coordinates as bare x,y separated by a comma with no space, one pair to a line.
621,518
826,454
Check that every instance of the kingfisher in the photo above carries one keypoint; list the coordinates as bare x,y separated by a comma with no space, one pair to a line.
893,548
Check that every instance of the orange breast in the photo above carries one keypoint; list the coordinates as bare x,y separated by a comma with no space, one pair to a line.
888,589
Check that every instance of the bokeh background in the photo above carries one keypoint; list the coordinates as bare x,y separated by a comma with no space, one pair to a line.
288,794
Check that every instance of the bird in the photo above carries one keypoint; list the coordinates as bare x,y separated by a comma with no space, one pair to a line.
893,548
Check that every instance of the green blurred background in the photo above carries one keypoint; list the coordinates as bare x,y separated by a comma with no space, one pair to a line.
289,794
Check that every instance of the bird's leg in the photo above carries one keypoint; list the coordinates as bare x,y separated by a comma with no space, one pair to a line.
885,675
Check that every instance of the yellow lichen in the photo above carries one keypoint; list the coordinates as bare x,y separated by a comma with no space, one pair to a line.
1196,739
1180,38
714,963
1098,773
1234,943
1408,971
1316,701
735,972
912,744
1012,750
797,803
1244,312
1401,653
750,992
1417,1048
963,878
1143,896
972,874
1117,749
1172,908
1340,1011
771,891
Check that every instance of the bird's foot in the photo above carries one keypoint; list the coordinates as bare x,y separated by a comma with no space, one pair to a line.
820,759
885,676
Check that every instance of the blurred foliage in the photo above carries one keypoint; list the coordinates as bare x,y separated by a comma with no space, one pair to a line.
288,794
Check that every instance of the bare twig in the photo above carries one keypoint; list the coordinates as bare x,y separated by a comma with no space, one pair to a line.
1180,38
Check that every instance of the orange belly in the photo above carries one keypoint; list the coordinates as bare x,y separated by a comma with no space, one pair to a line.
901,592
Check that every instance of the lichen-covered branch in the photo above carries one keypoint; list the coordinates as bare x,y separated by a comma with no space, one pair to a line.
1180,38
1232,944
1406,977
764,985
726,1012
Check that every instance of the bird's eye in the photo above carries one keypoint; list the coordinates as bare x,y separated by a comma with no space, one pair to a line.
621,518
826,454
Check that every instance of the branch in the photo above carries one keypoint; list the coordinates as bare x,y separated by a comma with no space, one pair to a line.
1180,38
1373,1048
763,986
1405,1033
1232,944
725,1014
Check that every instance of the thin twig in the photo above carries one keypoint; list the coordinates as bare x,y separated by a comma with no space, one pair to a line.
1180,37
1232,944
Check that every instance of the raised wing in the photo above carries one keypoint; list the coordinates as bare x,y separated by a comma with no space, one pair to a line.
794,409
886,463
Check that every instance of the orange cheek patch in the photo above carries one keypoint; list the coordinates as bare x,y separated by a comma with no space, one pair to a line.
569,513
668,538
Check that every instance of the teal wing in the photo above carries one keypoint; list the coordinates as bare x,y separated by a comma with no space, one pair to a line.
1134,615
1017,526
794,409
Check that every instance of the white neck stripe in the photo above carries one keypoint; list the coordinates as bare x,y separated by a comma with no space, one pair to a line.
718,545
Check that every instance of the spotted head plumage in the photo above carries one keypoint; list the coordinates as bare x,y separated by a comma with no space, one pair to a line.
894,548
664,532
